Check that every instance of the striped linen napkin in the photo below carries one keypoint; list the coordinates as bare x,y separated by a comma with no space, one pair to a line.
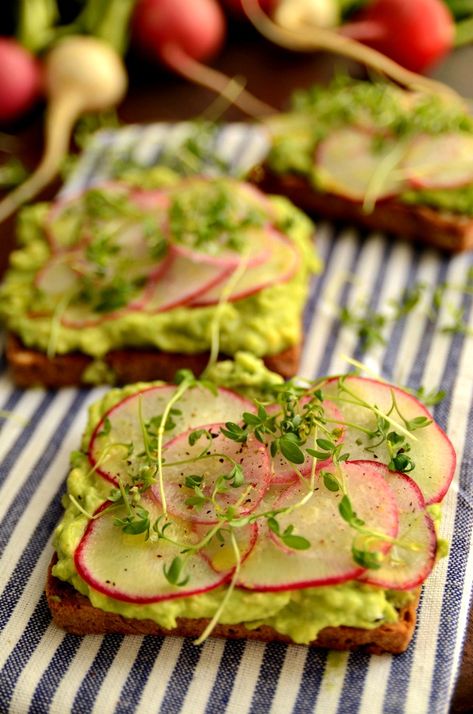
42,669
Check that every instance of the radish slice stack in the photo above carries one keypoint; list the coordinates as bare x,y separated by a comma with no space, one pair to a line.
218,508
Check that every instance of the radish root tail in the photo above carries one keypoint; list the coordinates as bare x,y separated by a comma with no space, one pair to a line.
215,81
317,38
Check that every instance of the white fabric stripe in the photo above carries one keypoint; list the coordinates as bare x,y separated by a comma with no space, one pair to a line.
321,326
204,677
332,683
372,699
158,679
109,693
20,416
289,680
246,678
78,670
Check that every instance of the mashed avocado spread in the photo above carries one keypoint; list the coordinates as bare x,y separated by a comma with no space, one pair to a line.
300,614
389,114
264,323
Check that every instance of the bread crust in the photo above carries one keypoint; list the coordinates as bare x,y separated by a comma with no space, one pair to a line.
75,614
29,367
449,231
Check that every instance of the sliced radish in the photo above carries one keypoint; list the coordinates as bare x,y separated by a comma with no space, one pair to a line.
123,424
226,258
281,265
183,281
220,551
283,471
211,456
150,200
408,562
130,568
351,164
328,560
443,161
430,449
61,273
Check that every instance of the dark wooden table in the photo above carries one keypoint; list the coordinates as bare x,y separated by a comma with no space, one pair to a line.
272,74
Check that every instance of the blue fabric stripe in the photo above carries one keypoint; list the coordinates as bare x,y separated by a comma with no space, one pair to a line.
53,675
90,686
317,285
181,678
222,689
314,668
9,404
132,690
273,660
354,683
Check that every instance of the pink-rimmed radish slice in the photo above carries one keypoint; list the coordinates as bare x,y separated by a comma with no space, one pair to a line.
273,567
67,221
442,161
430,448
183,282
257,254
123,424
210,457
410,560
282,264
220,551
61,273
284,472
353,163
130,568
151,199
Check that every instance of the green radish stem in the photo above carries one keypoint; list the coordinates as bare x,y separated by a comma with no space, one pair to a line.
82,74
318,38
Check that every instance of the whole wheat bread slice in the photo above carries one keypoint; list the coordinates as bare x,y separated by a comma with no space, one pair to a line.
449,231
74,613
29,367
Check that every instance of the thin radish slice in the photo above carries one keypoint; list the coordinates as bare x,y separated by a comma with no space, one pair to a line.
60,274
410,560
211,459
226,258
126,422
284,472
220,551
328,560
352,162
130,568
362,400
183,281
150,200
281,266
443,161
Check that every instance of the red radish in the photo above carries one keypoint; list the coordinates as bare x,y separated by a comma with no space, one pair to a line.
131,568
122,423
346,164
443,161
408,562
328,560
416,34
20,80
431,450
81,74
281,265
183,281
180,462
184,33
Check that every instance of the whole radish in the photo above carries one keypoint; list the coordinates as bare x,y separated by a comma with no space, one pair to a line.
183,34
81,74
415,34
20,80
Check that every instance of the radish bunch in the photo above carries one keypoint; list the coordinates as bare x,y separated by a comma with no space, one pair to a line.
239,500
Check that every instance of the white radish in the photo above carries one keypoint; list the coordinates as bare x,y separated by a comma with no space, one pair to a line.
443,161
82,74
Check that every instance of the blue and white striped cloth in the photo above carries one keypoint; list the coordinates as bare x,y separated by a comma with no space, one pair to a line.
42,669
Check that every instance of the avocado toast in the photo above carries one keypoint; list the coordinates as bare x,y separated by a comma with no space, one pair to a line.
374,155
119,284
301,511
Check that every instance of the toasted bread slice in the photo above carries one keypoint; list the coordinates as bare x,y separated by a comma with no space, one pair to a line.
31,367
451,232
74,613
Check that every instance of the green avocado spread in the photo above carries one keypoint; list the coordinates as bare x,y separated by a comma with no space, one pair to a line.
300,614
213,219
392,116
